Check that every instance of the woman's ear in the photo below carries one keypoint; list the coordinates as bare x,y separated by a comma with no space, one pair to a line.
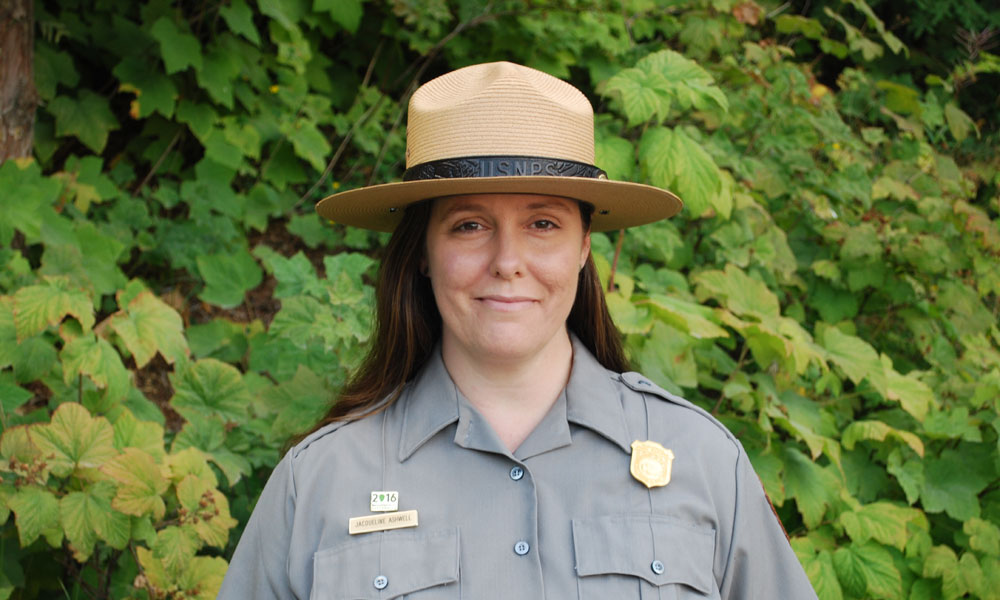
585,251
424,270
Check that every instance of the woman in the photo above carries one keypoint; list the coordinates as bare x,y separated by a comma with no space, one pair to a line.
490,445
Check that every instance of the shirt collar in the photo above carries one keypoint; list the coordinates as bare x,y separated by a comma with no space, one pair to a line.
590,400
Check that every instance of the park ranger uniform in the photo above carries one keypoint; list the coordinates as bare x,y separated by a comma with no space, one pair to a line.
444,510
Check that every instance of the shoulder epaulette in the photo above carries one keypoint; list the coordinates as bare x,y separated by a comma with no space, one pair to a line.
640,383
317,435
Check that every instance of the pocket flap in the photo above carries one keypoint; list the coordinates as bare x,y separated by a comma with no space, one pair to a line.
408,561
623,545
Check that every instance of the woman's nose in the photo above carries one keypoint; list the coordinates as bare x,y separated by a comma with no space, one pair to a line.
508,255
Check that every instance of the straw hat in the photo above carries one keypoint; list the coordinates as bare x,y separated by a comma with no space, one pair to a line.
501,128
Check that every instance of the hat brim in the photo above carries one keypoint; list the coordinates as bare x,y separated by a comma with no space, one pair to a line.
617,204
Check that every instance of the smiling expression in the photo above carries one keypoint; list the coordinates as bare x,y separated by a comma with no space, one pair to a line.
504,270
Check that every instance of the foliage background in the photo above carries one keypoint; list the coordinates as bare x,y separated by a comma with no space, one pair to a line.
171,309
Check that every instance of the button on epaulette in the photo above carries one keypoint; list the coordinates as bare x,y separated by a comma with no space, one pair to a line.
640,383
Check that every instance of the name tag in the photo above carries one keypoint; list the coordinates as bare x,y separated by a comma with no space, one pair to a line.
384,522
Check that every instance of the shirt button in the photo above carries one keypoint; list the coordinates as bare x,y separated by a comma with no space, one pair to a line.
521,548
657,567
516,473
380,582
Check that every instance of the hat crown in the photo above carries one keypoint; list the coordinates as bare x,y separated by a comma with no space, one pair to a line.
499,109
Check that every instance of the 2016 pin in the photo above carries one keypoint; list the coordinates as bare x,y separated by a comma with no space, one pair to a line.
384,501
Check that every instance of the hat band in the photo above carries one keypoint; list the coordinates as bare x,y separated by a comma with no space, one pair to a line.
502,166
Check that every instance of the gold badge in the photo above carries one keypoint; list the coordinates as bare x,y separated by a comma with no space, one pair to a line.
651,463
382,522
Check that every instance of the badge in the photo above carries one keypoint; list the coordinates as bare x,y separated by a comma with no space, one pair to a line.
651,463
385,501
382,522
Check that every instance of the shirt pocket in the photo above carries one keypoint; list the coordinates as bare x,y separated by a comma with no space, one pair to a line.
389,565
615,558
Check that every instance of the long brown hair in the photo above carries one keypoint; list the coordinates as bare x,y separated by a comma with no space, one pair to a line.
408,324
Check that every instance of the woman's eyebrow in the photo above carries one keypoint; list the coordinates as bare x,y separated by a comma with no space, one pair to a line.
463,207
550,205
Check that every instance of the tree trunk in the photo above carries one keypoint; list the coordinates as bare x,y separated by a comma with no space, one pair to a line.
18,97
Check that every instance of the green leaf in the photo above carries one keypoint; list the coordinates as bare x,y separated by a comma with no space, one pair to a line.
879,431
36,510
628,317
147,436
209,436
739,292
915,396
616,156
199,117
299,403
12,395
37,307
346,13
909,474
33,359
670,159
694,319
190,461
867,571
811,28
8,332
148,325
209,387
218,73
823,576
179,50
983,536
175,547
855,356
942,562
309,143
660,80
954,480
154,92
96,358
239,18
813,487
75,441
52,68
88,118
140,483
667,358
959,123
295,275
87,516
207,509
228,277
882,521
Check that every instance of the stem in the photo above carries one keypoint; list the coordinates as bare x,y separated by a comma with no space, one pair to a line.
156,165
614,263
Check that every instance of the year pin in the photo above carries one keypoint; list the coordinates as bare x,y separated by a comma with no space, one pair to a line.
384,501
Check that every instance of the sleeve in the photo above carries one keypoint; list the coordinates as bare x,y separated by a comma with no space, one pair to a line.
259,567
761,565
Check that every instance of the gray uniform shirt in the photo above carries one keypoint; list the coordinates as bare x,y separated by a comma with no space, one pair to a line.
560,518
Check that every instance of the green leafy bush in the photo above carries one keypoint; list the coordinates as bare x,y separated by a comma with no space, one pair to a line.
172,310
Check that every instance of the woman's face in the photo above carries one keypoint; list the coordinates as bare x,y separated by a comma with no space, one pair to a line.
504,270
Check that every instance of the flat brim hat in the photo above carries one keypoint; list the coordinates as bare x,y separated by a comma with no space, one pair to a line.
501,128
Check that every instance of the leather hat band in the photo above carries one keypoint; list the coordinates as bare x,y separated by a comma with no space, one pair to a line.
501,166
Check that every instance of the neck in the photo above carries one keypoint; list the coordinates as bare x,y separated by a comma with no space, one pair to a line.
512,394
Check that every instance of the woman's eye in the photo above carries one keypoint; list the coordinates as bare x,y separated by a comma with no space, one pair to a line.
468,226
543,224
